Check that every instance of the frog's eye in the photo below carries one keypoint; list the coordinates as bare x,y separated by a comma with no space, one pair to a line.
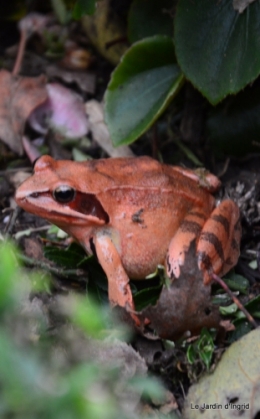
64,194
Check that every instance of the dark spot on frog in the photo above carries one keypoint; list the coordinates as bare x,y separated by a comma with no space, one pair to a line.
136,217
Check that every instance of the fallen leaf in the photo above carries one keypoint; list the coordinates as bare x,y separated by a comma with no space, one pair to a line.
100,133
106,32
63,111
86,81
19,96
34,23
233,390
18,177
184,306
241,5
227,325
31,151
33,248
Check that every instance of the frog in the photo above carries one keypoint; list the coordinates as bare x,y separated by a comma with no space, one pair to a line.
135,214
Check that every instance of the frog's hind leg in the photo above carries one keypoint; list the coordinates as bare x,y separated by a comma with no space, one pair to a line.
189,230
217,241
218,245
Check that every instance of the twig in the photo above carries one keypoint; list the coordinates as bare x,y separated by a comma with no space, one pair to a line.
220,281
224,169
11,223
43,265
21,48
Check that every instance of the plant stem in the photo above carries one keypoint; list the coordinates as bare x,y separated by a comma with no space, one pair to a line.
220,281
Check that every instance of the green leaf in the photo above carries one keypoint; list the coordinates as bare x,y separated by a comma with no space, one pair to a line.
253,264
226,311
9,274
67,258
148,18
88,315
60,11
84,7
242,327
203,348
147,296
141,87
253,306
237,283
233,127
191,354
216,47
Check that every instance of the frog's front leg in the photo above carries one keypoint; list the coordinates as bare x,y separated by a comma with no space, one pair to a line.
119,291
217,241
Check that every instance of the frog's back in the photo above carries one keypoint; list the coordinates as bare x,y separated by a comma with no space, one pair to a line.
145,172
138,171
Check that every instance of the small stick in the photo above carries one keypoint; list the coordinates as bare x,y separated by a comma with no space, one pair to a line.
220,281
11,223
56,271
20,55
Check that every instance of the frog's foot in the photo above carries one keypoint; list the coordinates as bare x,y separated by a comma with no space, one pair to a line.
189,230
218,244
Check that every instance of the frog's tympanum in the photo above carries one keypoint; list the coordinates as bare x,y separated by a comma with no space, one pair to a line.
134,214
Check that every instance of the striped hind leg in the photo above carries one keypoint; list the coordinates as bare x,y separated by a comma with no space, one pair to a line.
218,245
217,241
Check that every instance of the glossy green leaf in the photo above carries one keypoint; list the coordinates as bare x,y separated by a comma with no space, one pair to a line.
148,18
233,127
141,87
216,47
237,283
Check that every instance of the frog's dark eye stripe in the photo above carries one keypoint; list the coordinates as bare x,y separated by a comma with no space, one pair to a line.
64,194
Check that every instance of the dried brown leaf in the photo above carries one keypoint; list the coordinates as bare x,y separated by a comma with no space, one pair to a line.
19,96
64,112
85,81
241,5
99,130
185,305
